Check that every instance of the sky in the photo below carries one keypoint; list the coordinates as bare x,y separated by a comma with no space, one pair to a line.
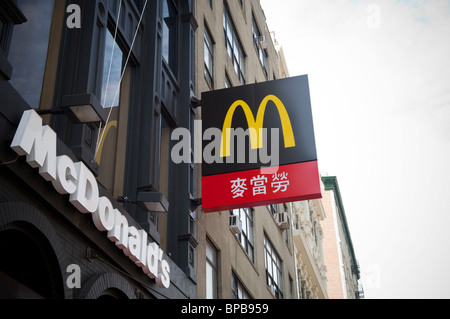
379,76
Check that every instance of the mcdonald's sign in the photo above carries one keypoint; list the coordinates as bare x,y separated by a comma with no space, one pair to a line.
273,159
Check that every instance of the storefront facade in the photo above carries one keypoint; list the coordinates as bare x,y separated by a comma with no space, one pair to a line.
133,60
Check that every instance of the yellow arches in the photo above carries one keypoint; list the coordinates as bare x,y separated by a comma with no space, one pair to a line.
255,127
100,147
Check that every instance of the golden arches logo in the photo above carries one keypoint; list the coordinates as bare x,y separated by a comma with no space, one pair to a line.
256,127
98,157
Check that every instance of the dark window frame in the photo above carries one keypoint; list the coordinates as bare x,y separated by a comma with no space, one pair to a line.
208,50
234,46
170,25
247,238
238,290
215,266
28,80
260,52
274,268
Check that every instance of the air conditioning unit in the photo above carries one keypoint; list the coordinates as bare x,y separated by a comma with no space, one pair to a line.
282,220
235,224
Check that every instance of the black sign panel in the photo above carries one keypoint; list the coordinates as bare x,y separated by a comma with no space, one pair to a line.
281,104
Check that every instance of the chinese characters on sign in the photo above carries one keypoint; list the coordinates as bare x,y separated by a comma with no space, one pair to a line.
258,187
279,183
238,188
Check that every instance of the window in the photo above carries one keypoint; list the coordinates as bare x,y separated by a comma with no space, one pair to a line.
227,81
192,186
3,35
192,171
170,34
313,227
291,287
112,71
138,4
273,209
28,50
211,271
302,289
109,152
246,238
314,231
239,292
273,269
234,46
191,256
258,39
297,221
209,59
164,158
286,236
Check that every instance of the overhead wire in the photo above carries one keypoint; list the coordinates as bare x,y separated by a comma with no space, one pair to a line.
102,135
109,74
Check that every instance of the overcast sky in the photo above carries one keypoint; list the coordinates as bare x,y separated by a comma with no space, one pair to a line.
379,73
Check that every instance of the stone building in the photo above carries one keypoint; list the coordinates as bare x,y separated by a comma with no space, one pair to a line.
234,47
343,270
308,237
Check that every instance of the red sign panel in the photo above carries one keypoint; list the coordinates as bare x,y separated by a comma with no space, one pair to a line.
258,187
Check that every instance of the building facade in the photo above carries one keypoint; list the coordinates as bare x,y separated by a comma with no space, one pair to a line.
308,237
246,253
343,270
107,214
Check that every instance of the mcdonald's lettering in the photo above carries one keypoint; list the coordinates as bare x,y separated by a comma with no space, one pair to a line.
255,127
277,119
